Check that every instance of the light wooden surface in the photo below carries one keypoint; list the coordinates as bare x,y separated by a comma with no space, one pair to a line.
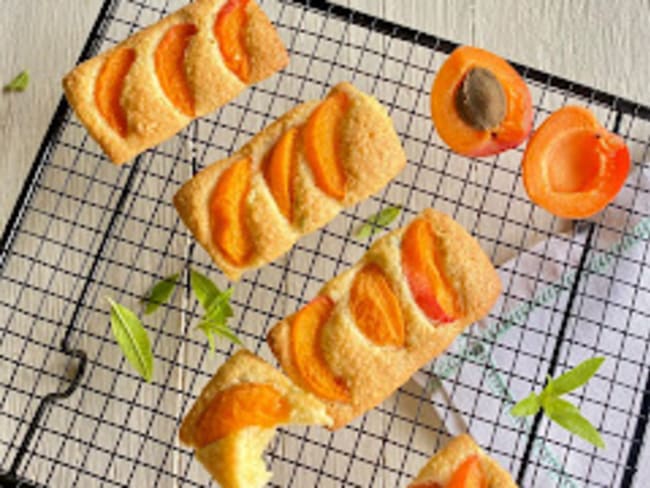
600,43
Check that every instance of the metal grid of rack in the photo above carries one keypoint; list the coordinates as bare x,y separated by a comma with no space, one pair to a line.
71,409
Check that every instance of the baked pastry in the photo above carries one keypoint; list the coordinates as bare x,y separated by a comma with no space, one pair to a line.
372,327
460,464
150,86
234,419
290,179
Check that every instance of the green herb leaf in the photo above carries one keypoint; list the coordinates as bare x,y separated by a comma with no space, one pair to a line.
132,338
573,378
211,328
568,416
19,83
160,293
375,222
219,309
204,289
528,406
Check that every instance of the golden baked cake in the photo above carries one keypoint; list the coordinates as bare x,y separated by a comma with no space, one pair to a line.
460,464
290,179
372,327
150,86
234,419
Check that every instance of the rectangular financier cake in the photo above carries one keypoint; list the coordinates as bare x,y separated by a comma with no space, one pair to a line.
291,179
372,327
153,84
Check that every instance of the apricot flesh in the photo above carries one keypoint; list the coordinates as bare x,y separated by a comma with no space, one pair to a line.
573,167
230,30
423,270
228,212
307,356
375,307
280,171
241,406
170,67
322,136
477,139
108,88
468,475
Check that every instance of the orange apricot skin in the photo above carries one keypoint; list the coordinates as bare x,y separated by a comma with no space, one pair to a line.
230,29
280,171
307,356
571,141
170,66
241,406
322,145
375,307
454,131
422,267
228,213
468,475
109,85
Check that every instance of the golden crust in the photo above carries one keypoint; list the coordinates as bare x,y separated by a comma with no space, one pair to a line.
442,465
236,460
372,373
372,156
151,117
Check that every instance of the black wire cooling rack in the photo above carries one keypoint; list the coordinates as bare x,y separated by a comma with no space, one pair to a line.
72,412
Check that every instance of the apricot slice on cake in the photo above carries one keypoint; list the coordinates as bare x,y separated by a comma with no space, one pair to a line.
422,266
479,103
230,31
170,67
109,85
228,213
468,475
322,145
280,170
375,307
307,356
573,167
240,406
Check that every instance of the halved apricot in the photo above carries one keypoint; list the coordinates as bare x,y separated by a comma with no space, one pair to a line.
573,167
421,264
479,103
230,30
375,307
468,475
280,170
109,85
306,326
170,66
241,406
228,211
322,145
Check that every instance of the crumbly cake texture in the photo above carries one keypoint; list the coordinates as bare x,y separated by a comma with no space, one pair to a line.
442,465
371,155
235,461
372,373
151,116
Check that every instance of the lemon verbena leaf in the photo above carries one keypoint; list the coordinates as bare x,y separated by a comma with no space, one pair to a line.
377,221
132,338
160,293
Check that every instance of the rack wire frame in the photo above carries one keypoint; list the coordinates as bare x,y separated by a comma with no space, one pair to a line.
107,232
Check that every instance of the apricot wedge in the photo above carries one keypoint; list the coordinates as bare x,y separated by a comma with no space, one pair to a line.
421,265
241,406
468,475
170,67
322,136
479,103
375,307
306,326
230,30
573,167
108,88
280,170
228,213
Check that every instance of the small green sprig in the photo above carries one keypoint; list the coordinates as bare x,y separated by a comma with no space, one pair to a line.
160,293
375,222
559,410
19,83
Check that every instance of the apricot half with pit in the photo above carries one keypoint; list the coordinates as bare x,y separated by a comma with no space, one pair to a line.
479,103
